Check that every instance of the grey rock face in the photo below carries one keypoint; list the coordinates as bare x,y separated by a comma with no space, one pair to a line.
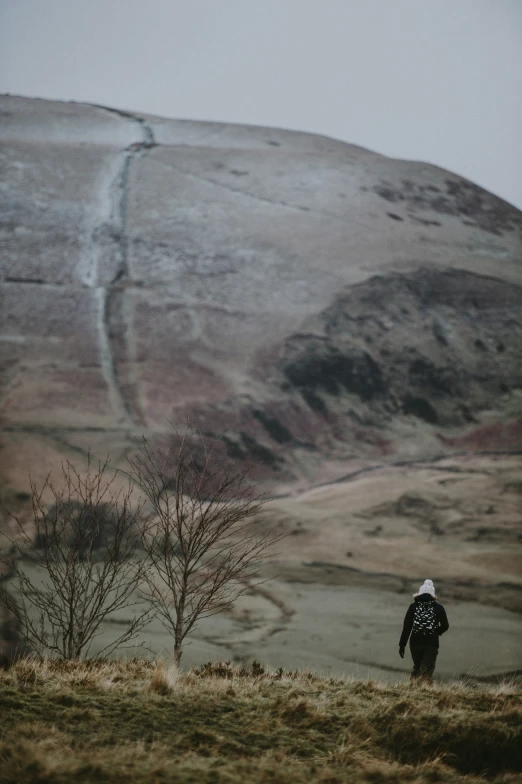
309,299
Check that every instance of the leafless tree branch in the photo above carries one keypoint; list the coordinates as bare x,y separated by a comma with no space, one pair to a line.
201,537
86,546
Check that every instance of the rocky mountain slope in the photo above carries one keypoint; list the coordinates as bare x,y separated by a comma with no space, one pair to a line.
350,321
309,300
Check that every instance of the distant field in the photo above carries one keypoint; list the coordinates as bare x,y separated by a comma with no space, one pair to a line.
139,721
356,551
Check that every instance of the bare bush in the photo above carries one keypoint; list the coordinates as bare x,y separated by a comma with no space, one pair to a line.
202,538
86,548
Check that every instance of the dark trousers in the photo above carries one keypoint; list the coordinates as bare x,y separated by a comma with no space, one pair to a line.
424,658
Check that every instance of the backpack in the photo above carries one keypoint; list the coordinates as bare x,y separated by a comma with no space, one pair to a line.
424,618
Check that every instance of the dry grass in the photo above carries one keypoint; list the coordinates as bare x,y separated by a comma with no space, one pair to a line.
164,678
144,722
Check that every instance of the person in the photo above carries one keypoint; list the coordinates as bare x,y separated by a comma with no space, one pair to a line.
425,620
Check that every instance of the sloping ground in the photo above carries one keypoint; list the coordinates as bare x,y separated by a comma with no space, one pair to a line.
383,372
141,722
457,520
310,299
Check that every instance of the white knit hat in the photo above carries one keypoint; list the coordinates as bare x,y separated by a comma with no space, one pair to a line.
426,587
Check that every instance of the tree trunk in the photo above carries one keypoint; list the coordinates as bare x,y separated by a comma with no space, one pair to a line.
178,631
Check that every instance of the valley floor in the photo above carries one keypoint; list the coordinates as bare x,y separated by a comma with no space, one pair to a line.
357,550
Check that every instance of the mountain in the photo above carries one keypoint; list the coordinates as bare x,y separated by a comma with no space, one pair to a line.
349,321
312,302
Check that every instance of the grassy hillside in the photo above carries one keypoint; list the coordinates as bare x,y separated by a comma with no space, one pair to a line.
138,721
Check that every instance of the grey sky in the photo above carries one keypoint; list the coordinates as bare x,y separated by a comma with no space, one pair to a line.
435,80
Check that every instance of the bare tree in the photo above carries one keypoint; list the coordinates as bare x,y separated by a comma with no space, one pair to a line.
86,548
202,538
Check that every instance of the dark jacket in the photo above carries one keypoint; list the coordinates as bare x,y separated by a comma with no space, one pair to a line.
418,638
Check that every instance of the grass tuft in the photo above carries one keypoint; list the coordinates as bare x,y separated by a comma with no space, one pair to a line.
164,679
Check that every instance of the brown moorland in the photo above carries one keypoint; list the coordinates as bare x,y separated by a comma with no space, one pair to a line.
140,721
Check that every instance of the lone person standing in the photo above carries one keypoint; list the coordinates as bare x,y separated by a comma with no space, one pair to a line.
425,620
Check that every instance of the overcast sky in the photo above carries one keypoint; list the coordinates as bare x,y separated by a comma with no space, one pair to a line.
432,80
